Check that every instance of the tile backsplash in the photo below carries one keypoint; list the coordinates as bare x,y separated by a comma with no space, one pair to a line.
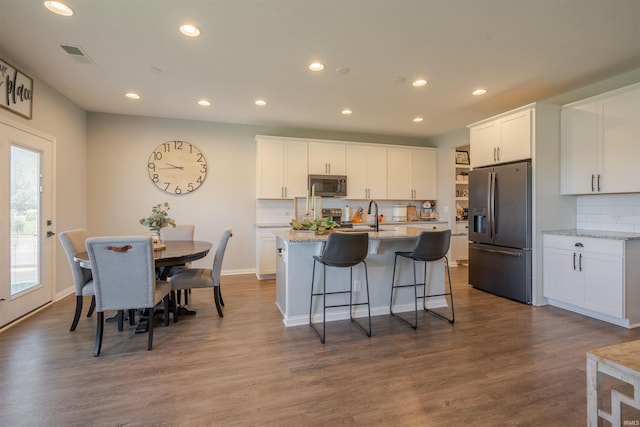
611,212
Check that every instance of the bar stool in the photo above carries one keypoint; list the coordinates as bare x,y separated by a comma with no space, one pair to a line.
431,246
341,250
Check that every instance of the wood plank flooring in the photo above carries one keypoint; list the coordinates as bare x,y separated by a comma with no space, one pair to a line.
501,364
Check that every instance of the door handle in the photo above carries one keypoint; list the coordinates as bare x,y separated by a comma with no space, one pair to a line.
50,234
598,182
592,178
574,261
580,262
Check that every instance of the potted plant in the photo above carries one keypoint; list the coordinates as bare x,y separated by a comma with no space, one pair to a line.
320,225
158,219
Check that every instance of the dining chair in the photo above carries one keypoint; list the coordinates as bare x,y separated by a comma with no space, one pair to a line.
190,278
431,246
179,232
72,242
124,276
342,250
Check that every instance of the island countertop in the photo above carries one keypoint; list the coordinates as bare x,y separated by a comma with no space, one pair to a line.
294,274
386,233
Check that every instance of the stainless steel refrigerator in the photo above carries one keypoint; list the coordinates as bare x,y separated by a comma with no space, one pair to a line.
500,230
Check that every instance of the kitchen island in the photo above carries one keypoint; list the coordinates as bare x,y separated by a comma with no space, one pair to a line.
295,264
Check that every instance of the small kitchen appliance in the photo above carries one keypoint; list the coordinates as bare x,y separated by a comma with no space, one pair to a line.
334,213
428,210
399,213
328,185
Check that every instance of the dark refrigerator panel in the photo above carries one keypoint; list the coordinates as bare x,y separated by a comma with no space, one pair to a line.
501,271
500,205
500,230
480,220
512,217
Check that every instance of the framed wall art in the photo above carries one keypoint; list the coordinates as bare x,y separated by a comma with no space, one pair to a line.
462,158
16,90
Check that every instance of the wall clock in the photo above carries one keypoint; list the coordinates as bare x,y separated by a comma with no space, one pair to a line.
177,167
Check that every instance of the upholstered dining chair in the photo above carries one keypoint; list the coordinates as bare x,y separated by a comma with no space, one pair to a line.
73,243
124,276
179,232
190,278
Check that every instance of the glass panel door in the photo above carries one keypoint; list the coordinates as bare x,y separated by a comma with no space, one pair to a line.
26,206
25,215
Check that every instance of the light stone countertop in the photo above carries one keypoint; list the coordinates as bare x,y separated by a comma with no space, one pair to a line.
598,234
382,224
395,233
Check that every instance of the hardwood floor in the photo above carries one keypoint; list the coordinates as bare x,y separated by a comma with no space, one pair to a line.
502,363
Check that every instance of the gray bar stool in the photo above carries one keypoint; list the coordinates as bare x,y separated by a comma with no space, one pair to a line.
341,250
431,246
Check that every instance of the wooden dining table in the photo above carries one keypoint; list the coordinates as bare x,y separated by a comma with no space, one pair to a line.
175,252
172,253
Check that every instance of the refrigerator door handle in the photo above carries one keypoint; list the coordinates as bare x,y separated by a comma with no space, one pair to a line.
498,251
492,204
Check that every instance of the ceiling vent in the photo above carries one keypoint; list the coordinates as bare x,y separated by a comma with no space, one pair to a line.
77,54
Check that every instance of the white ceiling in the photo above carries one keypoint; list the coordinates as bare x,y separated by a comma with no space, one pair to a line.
520,50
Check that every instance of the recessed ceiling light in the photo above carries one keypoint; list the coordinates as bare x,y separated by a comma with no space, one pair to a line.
316,66
58,8
204,103
132,95
479,92
190,30
260,102
419,83
346,112
418,120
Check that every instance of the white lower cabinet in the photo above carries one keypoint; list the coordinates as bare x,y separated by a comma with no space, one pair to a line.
266,252
597,277
430,225
460,242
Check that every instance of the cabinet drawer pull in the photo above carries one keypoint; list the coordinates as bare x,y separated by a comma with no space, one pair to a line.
574,261
593,177
598,183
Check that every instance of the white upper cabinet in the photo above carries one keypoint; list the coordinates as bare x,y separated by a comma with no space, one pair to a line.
501,139
601,143
281,168
374,171
411,173
366,171
327,158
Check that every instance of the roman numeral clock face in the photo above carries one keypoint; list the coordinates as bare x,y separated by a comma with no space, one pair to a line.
177,167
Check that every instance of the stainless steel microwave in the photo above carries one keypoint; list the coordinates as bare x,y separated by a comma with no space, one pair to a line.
328,185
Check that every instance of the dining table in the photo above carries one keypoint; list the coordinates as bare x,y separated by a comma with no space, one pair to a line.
170,253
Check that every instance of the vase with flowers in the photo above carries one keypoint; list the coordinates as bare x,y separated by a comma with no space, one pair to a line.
158,219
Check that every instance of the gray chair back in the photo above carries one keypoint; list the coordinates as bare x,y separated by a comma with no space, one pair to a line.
179,232
432,245
123,272
345,249
216,270
73,242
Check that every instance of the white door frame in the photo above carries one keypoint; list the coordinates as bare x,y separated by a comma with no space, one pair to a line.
12,309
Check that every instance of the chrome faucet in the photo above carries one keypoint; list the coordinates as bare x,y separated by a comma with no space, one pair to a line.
376,223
